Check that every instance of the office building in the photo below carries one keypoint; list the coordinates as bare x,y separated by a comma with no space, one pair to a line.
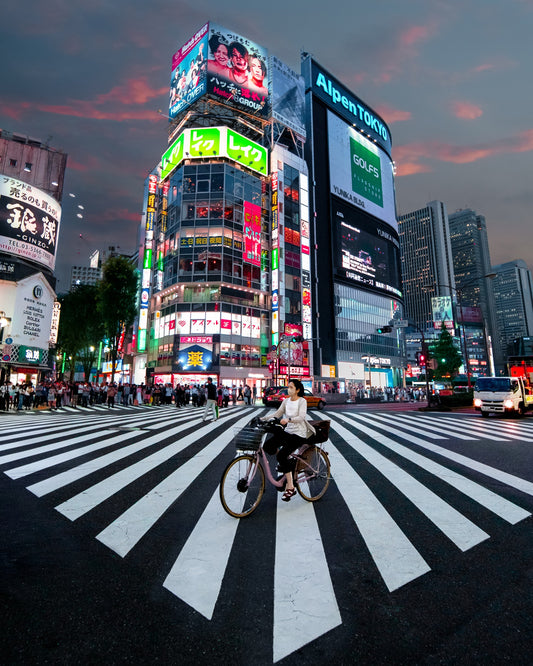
356,281
471,262
30,213
513,295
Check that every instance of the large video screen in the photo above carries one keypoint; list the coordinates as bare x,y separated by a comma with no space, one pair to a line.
237,71
189,72
367,252
360,171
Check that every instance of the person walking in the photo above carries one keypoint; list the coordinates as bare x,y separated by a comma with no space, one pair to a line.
211,403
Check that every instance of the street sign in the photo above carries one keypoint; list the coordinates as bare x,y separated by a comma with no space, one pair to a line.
401,323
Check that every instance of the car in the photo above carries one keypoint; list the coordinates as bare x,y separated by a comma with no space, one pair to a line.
277,396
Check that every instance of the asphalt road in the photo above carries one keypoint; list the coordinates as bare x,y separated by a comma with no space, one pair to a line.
115,548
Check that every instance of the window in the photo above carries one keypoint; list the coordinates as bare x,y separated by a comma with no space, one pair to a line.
28,166
12,162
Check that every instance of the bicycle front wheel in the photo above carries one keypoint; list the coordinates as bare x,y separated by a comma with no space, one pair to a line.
242,486
313,474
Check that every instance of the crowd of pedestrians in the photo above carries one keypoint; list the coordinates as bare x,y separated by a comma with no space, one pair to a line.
359,392
58,394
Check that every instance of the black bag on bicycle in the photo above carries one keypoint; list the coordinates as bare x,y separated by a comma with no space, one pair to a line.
322,431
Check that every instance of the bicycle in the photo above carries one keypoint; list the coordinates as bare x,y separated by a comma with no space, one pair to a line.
242,485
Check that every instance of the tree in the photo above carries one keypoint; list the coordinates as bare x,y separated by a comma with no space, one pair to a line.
117,297
446,355
80,327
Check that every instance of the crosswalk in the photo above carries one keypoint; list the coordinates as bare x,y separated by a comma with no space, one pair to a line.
133,470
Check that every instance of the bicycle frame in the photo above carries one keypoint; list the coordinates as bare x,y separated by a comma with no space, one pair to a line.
260,454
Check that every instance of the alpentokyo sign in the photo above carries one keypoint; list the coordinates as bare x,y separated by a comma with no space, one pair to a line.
214,142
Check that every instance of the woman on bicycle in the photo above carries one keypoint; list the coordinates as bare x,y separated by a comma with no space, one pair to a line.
293,412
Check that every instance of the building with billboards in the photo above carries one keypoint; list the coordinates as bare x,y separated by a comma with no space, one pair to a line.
204,253
31,184
355,262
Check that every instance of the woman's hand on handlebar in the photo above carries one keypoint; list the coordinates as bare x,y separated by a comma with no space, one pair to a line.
284,422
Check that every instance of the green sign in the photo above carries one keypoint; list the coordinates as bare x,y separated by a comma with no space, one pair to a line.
366,172
172,157
147,258
246,152
29,355
214,142
204,142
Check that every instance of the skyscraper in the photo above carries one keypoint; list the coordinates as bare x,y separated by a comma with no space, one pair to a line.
471,263
513,294
427,267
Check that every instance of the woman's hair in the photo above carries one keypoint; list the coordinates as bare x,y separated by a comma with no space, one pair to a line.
215,41
298,386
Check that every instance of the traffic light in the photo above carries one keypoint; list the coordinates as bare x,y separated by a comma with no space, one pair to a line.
384,329
421,358
297,338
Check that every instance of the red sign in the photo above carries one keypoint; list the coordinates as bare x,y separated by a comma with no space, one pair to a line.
252,233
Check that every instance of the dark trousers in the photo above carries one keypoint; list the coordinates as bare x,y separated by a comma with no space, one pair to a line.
287,444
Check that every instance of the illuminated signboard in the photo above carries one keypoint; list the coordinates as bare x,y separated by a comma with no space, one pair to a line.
442,309
360,172
347,105
29,355
189,71
214,142
29,222
223,65
252,234
237,71
367,251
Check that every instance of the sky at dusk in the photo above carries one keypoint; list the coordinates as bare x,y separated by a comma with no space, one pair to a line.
451,78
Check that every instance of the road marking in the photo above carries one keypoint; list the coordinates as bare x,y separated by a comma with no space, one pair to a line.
432,424
39,465
124,532
197,574
510,512
461,531
305,606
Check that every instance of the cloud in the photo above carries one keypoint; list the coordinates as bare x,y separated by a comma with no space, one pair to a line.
413,158
391,115
405,47
466,110
117,104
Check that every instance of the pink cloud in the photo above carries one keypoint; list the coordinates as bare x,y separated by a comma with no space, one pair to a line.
414,157
391,115
466,110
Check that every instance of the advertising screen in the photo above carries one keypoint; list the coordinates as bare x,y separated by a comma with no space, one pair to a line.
252,234
189,71
237,71
29,222
214,142
367,252
360,171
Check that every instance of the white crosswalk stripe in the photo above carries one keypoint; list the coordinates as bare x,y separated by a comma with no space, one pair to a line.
300,613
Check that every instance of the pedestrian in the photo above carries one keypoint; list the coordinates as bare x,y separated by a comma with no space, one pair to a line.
211,404
111,393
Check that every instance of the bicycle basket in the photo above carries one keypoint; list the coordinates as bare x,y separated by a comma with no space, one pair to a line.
322,431
247,439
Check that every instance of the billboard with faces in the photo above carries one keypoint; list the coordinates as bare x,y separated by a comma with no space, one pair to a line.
225,65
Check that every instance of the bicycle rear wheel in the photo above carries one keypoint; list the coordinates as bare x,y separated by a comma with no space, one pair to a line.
240,495
313,474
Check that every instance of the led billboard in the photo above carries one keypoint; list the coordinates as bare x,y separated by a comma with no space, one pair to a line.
224,65
367,251
214,142
237,71
189,72
360,171
29,222
252,233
